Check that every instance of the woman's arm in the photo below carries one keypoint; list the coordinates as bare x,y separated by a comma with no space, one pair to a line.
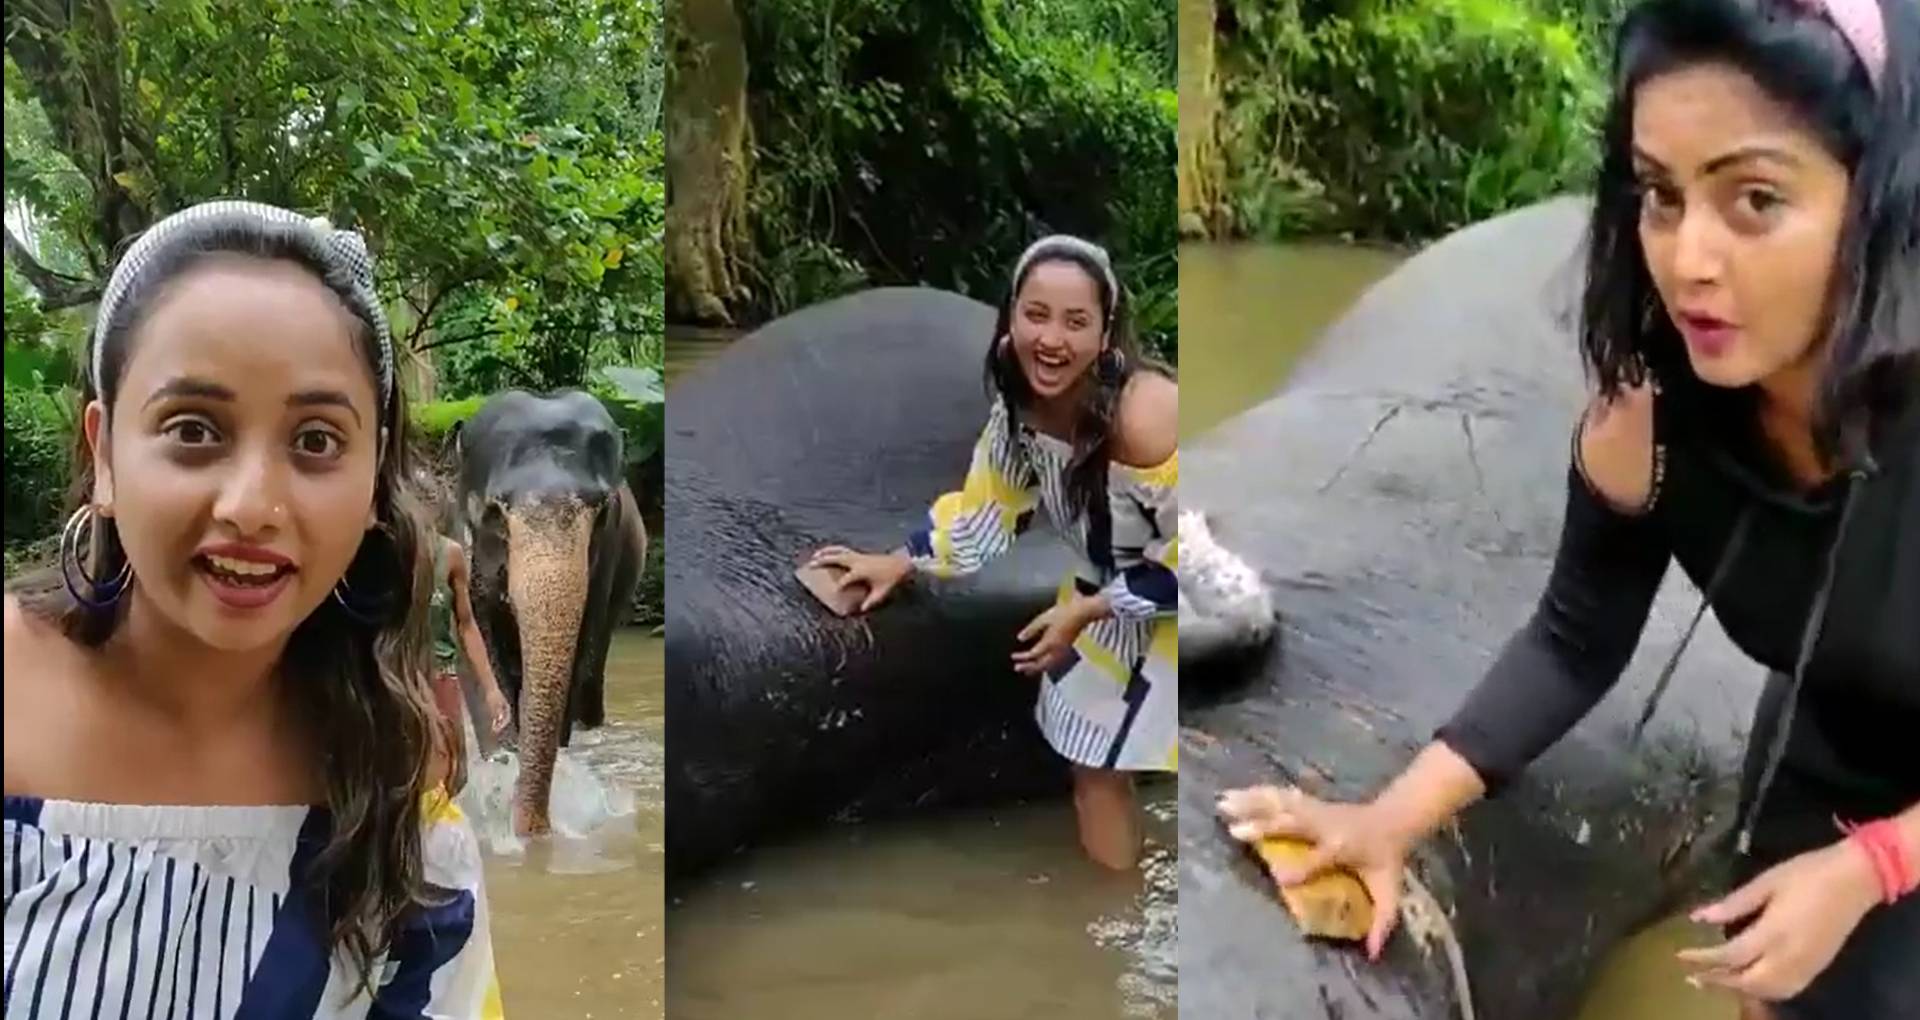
1146,444
464,624
1589,620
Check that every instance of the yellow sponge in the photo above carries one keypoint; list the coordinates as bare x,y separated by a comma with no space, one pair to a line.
1334,905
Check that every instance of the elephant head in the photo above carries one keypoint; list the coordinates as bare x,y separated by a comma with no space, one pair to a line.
555,545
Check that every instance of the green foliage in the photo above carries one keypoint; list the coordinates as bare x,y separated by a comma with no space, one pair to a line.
648,607
503,160
637,399
929,142
432,421
1594,20
1403,119
39,443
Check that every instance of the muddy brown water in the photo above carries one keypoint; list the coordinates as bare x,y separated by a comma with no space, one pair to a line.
1247,312
953,916
689,346
578,918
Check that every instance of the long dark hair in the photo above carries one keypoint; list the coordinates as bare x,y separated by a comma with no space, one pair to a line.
1119,360
359,684
1872,316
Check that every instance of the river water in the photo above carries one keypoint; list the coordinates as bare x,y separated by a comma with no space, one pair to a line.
577,917
1247,312
950,916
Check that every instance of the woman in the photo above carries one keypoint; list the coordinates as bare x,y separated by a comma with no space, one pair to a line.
450,610
217,731
1085,431
1752,321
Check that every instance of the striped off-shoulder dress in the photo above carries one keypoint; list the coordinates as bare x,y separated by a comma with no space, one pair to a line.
1114,702
136,912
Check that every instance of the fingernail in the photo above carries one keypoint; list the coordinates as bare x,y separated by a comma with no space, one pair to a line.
1694,981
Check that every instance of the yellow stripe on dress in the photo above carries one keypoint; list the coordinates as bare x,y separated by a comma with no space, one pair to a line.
492,1008
1091,651
1164,475
436,807
1164,644
977,523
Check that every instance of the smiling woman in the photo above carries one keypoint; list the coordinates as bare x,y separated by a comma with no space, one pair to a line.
217,726
1082,430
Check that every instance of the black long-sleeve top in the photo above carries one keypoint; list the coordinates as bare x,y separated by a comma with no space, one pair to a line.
1852,745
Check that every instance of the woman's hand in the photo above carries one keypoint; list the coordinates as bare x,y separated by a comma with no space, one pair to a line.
880,572
498,709
1361,837
1056,629
1807,906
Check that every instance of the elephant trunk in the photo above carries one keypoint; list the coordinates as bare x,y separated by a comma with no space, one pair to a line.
547,549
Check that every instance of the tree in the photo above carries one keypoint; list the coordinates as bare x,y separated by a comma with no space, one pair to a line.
825,145
706,160
502,159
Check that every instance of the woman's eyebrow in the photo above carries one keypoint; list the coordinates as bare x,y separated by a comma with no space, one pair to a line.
1751,154
187,386
315,398
1733,157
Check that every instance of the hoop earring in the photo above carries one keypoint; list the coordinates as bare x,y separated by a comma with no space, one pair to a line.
343,595
102,595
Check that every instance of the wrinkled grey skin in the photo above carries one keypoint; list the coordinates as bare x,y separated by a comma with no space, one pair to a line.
1402,497
837,424
555,544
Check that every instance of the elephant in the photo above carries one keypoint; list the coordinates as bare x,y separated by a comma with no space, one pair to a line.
1401,498
555,543
838,423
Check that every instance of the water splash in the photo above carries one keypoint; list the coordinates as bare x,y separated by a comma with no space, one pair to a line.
593,814
1147,932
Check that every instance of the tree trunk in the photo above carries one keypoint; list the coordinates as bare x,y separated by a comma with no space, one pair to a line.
69,56
1202,212
707,167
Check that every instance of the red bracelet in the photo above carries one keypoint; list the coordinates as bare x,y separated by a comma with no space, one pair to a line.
1880,840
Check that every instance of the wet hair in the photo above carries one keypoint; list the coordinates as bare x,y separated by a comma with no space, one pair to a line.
359,682
1093,425
1872,316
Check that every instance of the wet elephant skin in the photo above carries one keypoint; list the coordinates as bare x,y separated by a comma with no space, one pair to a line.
1402,497
838,424
534,457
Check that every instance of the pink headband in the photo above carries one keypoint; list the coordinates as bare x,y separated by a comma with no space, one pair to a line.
1863,27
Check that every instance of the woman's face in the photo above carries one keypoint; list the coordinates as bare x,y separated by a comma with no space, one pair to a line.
1057,327
242,450
1740,221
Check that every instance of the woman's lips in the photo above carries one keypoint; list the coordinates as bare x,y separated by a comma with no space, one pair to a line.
1709,336
239,596
1050,373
